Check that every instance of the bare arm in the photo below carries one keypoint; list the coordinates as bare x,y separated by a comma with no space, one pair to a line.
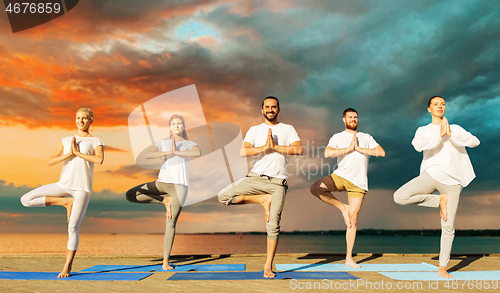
294,149
331,152
58,156
98,158
377,151
154,153
248,150
193,152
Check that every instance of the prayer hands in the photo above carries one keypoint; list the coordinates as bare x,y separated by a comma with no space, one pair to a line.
269,142
74,146
354,143
445,128
173,147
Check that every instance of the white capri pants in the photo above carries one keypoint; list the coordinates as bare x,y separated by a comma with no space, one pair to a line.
36,198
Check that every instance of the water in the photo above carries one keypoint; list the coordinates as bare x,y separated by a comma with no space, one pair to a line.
140,244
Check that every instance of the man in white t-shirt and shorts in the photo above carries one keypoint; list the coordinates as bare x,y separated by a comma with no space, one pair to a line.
352,150
269,143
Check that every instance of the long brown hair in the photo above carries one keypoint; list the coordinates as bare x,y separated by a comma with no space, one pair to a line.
175,116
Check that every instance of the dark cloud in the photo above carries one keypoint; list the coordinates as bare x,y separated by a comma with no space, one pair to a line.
383,58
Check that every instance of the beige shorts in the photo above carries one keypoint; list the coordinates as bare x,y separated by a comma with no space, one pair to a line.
342,184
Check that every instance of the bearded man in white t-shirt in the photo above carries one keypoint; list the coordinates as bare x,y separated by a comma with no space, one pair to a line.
269,144
352,149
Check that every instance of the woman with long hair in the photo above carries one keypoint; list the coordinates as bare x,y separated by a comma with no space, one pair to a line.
172,185
446,168
79,153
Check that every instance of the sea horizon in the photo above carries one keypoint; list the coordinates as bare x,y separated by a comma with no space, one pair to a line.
238,243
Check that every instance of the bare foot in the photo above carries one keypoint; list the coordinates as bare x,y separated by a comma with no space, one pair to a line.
443,202
444,273
66,272
351,263
345,214
69,207
267,209
166,265
269,274
166,201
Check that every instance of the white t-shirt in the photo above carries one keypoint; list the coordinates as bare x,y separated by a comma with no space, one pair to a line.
353,166
175,169
445,158
272,164
77,173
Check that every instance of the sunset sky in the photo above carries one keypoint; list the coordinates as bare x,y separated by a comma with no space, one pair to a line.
384,58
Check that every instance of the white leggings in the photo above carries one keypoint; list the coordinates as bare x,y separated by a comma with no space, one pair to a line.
36,198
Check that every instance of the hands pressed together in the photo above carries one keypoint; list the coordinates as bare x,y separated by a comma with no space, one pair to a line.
354,146
75,148
270,145
445,128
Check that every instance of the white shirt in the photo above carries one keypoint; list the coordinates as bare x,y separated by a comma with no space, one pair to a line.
272,164
353,166
77,173
175,169
447,153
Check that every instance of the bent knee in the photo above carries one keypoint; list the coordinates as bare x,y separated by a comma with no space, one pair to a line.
131,195
399,198
222,197
25,202
316,189
225,197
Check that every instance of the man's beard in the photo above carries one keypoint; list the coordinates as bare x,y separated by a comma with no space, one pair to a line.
271,119
348,126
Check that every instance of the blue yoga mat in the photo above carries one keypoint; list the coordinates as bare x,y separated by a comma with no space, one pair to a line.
411,267
260,276
433,276
158,268
74,276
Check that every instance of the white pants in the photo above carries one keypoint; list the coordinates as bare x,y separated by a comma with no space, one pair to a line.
36,198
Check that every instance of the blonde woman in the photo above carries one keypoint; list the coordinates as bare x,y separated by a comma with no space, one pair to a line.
172,185
78,153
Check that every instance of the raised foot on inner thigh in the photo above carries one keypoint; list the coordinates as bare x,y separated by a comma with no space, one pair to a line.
68,204
266,203
345,214
167,202
443,203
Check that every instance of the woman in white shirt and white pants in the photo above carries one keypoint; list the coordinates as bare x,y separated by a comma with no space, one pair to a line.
79,154
446,168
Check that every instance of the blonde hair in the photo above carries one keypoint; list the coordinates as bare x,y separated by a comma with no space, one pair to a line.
91,114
